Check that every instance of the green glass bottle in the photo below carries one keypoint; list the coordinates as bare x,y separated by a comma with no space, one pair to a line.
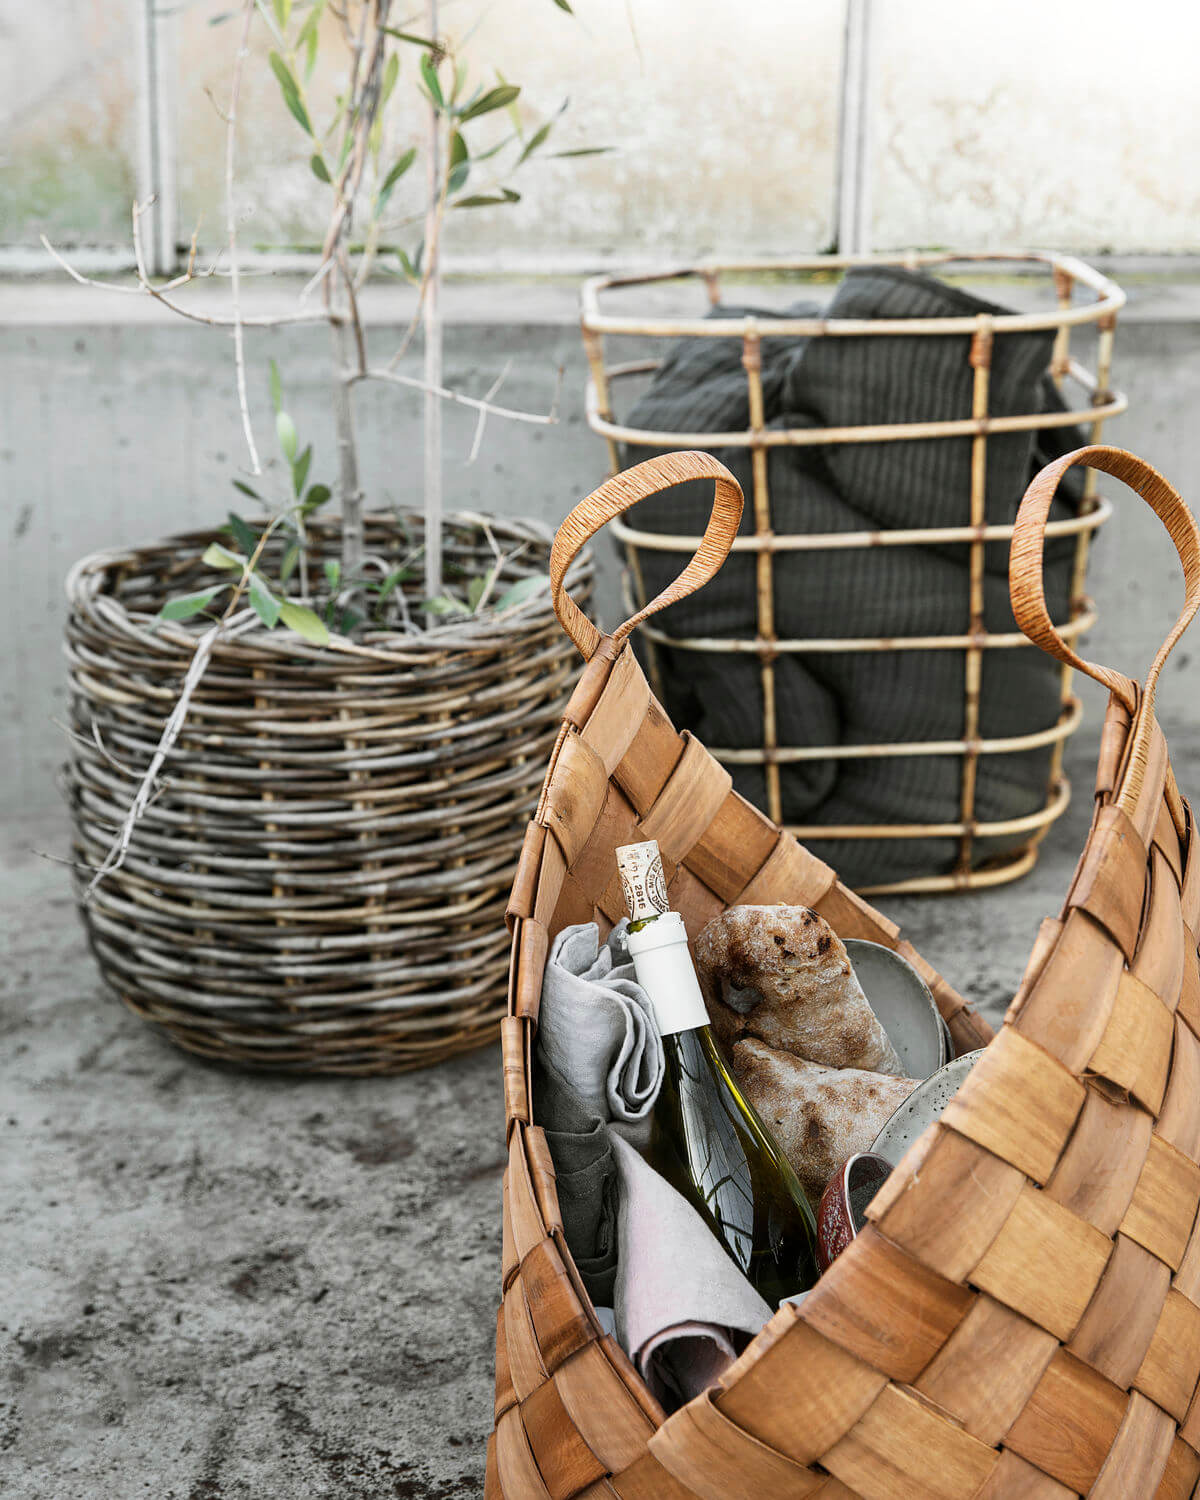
706,1138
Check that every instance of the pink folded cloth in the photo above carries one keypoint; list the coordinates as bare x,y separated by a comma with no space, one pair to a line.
683,1309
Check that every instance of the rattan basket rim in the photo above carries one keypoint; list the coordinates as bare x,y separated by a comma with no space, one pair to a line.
85,587
1110,297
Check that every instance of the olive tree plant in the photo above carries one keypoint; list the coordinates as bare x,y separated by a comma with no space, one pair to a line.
367,168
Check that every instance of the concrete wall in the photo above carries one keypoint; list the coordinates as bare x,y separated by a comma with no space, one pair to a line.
1065,124
118,425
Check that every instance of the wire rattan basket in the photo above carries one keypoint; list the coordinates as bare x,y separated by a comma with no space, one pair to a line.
318,884
1021,1318
974,850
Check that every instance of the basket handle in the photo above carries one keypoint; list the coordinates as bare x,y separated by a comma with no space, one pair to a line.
617,495
1028,593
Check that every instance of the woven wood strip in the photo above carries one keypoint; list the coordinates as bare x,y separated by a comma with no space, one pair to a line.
887,1453
715,1458
690,799
1112,876
1158,962
948,1208
1021,1317
1181,1472
1069,1423
1119,1325
1098,1172
800,1392
988,1368
1014,1479
1019,1102
886,1308
1189,989
1190,886
1066,1008
599,1403
1138,1457
1179,1118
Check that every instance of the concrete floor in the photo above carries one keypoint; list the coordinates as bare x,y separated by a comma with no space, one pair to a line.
218,1285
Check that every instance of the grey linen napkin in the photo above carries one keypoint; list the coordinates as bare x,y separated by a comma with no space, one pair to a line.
683,1310
595,1027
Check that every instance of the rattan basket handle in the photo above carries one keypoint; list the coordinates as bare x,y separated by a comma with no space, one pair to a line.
614,497
1028,594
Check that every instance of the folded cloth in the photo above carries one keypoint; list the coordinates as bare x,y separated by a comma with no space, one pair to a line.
596,1030
683,1309
585,1179
852,698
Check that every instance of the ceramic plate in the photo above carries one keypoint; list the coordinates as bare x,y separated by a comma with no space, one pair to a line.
906,1009
922,1107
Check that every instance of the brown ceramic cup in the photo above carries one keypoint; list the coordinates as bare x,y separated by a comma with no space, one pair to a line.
843,1208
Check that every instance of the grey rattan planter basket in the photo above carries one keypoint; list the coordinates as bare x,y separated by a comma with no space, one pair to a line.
320,883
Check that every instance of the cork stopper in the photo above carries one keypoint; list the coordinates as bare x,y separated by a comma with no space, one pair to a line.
642,880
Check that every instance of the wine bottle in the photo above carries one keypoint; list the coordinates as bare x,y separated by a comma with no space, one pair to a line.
706,1138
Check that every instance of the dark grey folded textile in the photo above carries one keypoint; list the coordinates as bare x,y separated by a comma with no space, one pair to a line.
864,697
585,1175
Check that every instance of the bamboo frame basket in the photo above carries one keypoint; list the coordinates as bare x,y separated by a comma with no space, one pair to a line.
1021,1317
971,869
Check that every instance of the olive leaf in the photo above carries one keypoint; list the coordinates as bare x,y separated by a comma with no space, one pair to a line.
290,90
184,606
264,602
242,534
304,622
285,431
498,98
216,556
524,588
399,168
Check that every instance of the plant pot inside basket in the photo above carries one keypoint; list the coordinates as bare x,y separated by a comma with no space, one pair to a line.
320,881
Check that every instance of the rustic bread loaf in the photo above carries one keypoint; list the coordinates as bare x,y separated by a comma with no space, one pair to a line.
819,1115
781,974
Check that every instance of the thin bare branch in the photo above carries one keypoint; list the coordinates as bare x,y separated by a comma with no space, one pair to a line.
493,576
483,416
116,855
539,419
141,289
98,742
233,622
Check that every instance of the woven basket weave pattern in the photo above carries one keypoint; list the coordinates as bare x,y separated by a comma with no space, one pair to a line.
1022,1315
320,882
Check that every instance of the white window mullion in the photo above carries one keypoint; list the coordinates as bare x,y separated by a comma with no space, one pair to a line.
156,133
854,130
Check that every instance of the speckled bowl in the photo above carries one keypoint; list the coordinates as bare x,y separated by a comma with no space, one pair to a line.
906,1009
922,1107
843,1207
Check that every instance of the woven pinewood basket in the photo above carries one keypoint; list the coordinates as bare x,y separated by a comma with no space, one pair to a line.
978,849
320,882
1022,1315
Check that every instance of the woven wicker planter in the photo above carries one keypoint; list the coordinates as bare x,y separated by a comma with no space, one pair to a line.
999,785
1022,1316
321,882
